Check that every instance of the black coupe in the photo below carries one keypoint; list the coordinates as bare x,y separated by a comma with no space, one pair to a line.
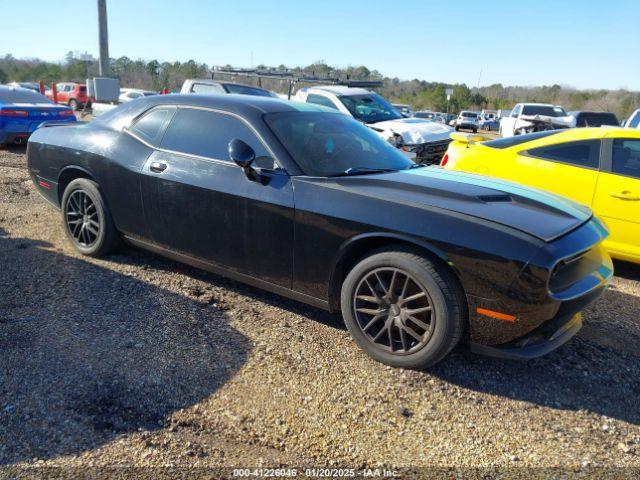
310,204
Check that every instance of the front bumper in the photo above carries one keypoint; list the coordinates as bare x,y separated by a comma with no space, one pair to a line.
544,339
430,153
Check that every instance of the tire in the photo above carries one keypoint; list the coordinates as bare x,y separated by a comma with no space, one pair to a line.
475,130
73,104
87,220
457,128
442,325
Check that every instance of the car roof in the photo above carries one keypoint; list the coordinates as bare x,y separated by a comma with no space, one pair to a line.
241,104
342,90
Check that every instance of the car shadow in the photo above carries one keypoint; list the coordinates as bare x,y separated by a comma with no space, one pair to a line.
596,371
133,256
87,353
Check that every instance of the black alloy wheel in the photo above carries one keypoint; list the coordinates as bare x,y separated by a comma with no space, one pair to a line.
394,311
83,222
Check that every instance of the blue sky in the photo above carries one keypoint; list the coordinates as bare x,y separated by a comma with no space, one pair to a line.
582,43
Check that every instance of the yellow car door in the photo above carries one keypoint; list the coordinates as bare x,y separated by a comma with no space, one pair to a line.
617,197
570,169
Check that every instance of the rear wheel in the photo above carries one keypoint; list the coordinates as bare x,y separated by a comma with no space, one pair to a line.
403,309
87,220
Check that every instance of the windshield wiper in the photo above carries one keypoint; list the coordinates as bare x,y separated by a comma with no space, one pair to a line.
365,171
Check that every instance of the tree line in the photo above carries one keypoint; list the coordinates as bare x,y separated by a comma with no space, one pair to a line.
420,94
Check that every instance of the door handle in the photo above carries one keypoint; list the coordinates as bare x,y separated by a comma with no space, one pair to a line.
625,195
157,167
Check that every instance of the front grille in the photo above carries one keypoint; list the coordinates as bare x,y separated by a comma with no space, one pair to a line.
574,268
432,152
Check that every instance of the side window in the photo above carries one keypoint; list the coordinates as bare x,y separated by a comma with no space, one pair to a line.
634,122
206,88
626,158
580,154
321,100
516,111
207,134
151,125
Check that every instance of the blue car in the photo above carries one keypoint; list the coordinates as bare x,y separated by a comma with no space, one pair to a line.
22,111
490,125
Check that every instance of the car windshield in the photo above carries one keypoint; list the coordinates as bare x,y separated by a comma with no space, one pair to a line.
469,114
246,90
332,144
546,110
370,108
21,95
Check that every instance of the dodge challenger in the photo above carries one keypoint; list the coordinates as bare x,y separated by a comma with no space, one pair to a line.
310,204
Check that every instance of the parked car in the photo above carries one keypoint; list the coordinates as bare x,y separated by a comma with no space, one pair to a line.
634,120
34,86
593,119
405,110
72,94
594,166
421,140
425,114
23,110
313,205
489,125
128,94
534,117
204,85
467,121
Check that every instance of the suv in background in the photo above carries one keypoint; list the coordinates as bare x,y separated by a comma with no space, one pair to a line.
72,94
593,119
205,85
468,121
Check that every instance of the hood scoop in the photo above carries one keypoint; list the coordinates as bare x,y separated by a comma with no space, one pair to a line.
495,198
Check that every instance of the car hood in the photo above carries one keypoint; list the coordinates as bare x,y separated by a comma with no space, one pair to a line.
540,214
413,131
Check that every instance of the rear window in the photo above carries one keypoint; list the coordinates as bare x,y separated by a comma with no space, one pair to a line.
83,88
469,114
21,95
546,110
518,139
246,90
596,119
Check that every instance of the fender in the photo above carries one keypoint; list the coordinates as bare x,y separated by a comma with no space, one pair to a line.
351,243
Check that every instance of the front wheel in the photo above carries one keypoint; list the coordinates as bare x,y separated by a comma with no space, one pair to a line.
403,309
87,220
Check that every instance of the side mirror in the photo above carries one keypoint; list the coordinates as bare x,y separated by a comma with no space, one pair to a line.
243,155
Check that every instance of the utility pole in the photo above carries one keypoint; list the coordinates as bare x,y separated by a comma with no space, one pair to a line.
104,38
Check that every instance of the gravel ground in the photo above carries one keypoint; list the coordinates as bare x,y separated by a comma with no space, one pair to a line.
134,360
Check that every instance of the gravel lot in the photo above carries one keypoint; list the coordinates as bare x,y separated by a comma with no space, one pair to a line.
135,360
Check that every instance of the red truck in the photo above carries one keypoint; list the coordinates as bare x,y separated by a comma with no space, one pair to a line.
72,94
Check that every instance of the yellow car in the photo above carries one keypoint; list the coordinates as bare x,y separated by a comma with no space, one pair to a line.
599,167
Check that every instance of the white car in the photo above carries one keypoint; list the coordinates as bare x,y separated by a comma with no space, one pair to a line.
533,117
467,121
634,120
421,140
128,94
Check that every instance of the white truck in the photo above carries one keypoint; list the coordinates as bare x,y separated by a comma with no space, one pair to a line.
421,140
634,120
534,117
